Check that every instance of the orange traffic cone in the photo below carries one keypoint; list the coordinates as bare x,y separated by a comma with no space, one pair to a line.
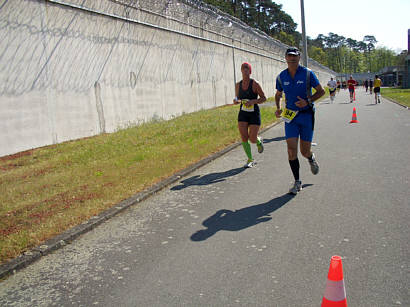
354,116
335,293
354,95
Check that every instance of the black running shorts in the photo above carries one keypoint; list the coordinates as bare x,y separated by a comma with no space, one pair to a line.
252,118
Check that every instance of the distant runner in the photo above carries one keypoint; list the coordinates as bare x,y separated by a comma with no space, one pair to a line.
377,85
351,84
366,85
332,84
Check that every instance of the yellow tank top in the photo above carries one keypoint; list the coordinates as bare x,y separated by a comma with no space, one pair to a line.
377,82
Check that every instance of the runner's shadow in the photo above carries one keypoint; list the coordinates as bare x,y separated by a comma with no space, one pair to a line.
207,179
240,219
276,139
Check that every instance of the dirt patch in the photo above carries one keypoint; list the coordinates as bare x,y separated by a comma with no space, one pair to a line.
17,155
8,167
37,173
38,212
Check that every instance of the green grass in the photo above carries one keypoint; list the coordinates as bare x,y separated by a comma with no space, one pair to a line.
48,190
326,88
399,95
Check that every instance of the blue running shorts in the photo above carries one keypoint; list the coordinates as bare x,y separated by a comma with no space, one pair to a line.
301,126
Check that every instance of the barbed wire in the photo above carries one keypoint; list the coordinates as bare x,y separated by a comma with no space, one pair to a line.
216,21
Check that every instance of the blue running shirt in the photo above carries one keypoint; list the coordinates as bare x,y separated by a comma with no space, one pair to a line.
296,87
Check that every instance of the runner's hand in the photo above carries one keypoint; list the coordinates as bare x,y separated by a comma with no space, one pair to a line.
236,101
278,112
301,103
249,103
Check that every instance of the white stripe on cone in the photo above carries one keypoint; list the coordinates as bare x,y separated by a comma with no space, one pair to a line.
335,290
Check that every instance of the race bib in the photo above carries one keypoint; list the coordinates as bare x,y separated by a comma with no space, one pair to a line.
245,108
288,115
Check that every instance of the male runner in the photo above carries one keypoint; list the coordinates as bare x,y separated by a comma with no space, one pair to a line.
377,84
351,84
296,82
371,86
366,85
332,89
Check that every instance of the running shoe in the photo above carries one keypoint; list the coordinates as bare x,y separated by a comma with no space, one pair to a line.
314,167
249,164
296,187
260,146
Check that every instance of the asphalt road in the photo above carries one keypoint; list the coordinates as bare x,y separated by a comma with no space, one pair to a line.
225,236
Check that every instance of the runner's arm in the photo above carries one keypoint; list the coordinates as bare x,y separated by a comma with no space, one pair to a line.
278,97
301,103
319,93
236,101
258,89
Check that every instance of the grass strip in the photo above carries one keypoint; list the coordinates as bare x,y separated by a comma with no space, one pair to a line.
48,190
401,96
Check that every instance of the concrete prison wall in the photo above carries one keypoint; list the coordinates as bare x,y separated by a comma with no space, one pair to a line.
78,68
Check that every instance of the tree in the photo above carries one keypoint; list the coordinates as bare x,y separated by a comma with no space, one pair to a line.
285,38
370,42
334,43
264,15
341,54
400,59
351,43
318,54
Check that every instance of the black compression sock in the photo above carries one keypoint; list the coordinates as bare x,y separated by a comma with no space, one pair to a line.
294,166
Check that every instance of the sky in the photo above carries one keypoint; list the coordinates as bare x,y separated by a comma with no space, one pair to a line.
388,21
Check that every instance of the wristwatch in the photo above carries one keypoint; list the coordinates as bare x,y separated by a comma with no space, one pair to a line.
310,102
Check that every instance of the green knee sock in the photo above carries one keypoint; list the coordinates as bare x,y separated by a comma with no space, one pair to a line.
247,148
258,140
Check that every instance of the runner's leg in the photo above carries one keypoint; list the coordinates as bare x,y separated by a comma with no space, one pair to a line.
254,138
306,149
292,144
243,130
294,164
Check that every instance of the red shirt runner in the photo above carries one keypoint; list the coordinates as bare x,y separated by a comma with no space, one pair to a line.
351,83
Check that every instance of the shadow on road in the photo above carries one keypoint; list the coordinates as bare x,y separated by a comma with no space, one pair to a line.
276,139
207,179
240,219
